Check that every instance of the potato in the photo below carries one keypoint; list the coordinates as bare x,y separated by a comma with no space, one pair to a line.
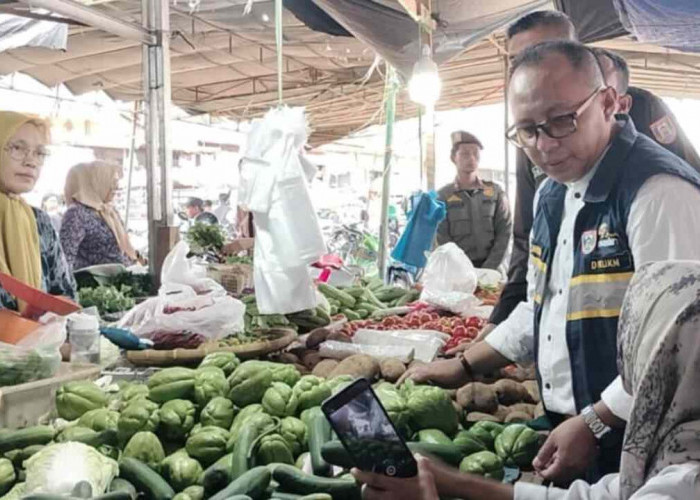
391,369
311,359
534,389
522,408
476,416
479,397
539,410
510,392
288,358
517,417
357,365
317,337
519,373
416,362
324,368
339,337
501,413
302,369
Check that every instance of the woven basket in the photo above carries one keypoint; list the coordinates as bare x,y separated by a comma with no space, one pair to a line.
233,277
279,338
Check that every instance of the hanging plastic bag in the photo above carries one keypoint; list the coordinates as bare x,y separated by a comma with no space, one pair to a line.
179,270
37,355
419,234
449,280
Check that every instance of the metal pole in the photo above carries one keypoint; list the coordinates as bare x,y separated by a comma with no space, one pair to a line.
156,86
391,88
279,41
132,155
505,122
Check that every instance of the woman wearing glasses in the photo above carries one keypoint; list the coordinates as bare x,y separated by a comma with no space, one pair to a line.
29,247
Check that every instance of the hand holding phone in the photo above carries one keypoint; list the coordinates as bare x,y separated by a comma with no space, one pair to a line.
363,426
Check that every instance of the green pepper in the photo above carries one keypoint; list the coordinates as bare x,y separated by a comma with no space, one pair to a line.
483,463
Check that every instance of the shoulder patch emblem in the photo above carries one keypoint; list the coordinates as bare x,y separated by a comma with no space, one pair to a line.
664,130
488,191
588,241
454,198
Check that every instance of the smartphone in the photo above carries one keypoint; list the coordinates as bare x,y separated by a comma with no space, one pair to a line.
363,426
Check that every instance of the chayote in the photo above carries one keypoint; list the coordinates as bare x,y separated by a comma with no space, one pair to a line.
467,443
433,436
209,382
145,446
339,383
295,433
272,449
227,361
73,399
181,471
248,383
140,415
219,412
132,392
311,391
517,445
208,444
280,400
486,432
177,418
100,420
483,463
191,493
281,372
395,405
171,383
7,475
430,407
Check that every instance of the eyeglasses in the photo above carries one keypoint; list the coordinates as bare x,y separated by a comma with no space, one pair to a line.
557,127
20,151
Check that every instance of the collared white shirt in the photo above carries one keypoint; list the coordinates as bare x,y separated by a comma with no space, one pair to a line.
663,224
675,482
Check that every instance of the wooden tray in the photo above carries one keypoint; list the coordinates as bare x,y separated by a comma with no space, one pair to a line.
282,337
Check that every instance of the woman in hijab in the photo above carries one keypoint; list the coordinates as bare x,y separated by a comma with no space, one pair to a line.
92,232
659,360
29,246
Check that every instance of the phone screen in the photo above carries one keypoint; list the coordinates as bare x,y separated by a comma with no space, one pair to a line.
364,428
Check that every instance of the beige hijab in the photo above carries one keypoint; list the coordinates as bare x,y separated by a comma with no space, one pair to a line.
659,360
90,184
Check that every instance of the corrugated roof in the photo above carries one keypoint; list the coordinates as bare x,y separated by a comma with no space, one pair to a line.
224,63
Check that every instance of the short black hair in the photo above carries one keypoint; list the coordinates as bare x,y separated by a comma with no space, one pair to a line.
579,56
195,202
619,64
542,18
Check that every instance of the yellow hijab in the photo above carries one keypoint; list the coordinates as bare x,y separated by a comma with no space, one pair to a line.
19,237
90,184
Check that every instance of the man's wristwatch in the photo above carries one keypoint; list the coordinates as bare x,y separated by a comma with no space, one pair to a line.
594,423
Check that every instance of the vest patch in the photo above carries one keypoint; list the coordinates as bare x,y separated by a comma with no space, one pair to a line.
454,198
664,130
488,191
588,241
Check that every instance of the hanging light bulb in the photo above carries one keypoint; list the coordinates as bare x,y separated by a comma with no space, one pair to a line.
425,85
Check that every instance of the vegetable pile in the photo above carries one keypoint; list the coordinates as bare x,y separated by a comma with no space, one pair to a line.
254,428
204,238
107,298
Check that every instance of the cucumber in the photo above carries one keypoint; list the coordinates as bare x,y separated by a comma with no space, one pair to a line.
145,479
372,299
217,475
39,434
278,495
119,484
333,293
335,453
350,314
240,462
355,291
252,483
115,495
319,432
410,296
389,293
369,307
293,480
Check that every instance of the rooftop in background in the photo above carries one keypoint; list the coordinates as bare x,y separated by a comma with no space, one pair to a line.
224,63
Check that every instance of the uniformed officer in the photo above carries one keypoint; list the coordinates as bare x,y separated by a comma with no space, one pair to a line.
478,217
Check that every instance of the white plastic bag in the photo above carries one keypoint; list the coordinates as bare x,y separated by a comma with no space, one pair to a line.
449,280
37,355
179,270
341,350
426,343
179,309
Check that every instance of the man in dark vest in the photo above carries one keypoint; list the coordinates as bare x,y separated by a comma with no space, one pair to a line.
613,200
650,114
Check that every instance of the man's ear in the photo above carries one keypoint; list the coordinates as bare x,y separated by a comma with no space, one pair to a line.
610,103
625,103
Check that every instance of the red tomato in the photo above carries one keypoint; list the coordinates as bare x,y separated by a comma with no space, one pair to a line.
459,331
472,332
474,321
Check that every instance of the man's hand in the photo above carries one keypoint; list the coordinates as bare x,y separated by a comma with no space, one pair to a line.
379,486
468,344
447,373
567,453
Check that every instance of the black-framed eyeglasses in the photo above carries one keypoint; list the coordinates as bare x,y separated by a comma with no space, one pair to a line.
19,151
558,127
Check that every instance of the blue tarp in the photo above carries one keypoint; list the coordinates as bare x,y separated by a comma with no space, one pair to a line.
418,236
670,23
